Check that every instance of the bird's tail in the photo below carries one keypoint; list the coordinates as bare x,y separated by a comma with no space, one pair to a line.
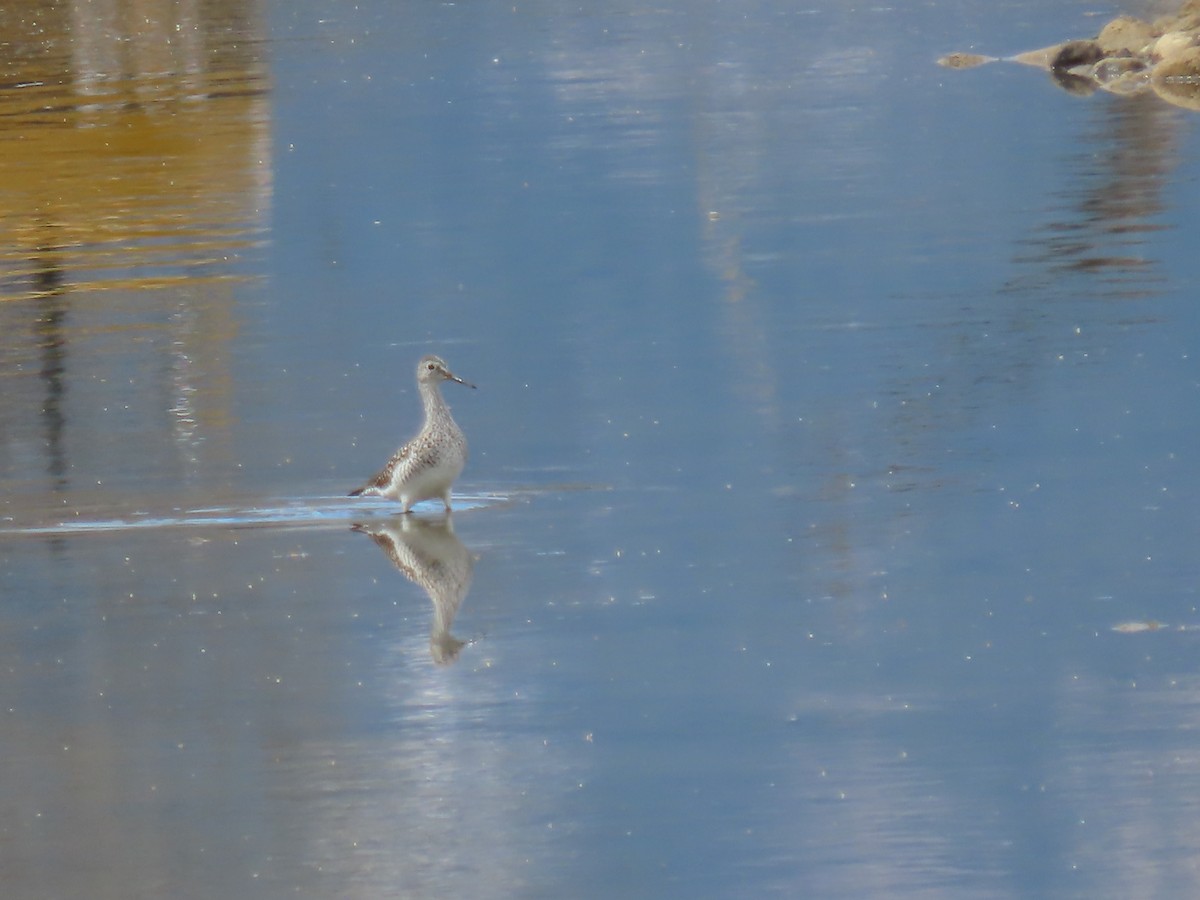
356,492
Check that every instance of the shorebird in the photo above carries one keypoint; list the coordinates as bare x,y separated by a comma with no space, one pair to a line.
425,467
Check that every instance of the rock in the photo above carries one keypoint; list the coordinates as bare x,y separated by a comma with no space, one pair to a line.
1172,44
1138,627
964,60
1129,56
1116,67
1177,80
1184,20
1125,36
1076,53
1039,58
1122,75
1182,68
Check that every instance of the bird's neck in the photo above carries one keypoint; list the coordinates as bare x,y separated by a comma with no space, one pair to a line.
431,399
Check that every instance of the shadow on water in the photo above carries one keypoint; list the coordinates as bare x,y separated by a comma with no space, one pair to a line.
429,554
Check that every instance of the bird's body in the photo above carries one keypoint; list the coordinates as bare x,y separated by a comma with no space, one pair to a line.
425,467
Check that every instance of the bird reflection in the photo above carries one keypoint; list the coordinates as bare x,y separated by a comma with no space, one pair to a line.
429,554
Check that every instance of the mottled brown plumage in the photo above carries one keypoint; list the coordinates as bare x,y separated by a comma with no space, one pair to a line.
425,467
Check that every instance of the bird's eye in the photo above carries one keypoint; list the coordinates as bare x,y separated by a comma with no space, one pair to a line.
431,367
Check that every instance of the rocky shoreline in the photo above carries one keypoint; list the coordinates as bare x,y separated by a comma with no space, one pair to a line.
1128,56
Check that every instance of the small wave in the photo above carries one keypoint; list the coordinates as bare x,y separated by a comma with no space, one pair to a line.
316,512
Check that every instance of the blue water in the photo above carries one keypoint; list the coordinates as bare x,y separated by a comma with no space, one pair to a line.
829,524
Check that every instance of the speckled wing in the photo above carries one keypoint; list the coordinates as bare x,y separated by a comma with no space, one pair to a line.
383,478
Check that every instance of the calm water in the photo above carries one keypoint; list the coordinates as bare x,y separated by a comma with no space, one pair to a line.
831,519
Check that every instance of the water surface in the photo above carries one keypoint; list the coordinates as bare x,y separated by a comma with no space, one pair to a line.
829,526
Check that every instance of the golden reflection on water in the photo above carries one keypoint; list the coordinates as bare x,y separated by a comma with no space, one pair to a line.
134,161
134,144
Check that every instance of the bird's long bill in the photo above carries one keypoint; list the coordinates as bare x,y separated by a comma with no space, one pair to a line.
454,377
